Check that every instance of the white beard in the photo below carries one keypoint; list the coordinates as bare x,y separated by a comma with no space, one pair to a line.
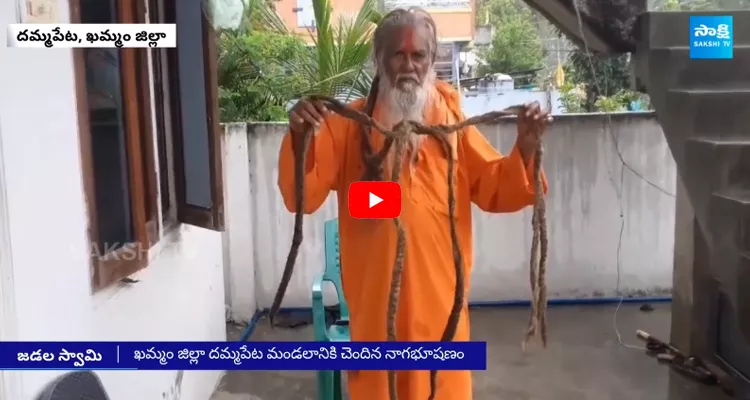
405,103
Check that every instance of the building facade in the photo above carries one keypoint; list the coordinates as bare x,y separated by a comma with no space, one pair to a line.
111,195
454,20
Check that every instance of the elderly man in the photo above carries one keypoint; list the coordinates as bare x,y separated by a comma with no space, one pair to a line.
406,88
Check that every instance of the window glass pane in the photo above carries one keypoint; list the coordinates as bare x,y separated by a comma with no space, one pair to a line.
194,119
108,139
160,65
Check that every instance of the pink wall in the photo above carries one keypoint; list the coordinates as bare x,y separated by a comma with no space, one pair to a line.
451,25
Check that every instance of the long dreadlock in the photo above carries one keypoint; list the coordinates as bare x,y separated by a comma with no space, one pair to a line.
413,17
374,162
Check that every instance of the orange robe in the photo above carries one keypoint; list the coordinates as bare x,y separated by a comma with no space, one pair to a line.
484,177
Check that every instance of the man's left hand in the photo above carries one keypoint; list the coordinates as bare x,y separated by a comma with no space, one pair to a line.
532,121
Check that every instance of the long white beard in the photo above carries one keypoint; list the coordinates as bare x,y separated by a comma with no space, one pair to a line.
405,103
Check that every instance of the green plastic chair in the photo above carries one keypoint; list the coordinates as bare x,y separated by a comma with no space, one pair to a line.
329,382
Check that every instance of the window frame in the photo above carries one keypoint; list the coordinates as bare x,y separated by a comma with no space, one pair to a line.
303,10
212,218
165,117
145,83
111,267
136,75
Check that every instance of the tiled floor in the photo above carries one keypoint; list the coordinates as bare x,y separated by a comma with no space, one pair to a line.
583,361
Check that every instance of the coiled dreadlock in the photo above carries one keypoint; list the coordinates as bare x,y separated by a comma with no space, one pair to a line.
374,162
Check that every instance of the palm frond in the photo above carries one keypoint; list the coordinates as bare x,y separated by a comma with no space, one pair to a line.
265,17
343,50
337,65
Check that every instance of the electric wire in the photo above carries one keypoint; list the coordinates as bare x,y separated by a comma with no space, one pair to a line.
624,165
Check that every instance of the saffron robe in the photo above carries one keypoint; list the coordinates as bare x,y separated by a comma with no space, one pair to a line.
483,176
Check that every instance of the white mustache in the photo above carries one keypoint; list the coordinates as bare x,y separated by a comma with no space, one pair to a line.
407,78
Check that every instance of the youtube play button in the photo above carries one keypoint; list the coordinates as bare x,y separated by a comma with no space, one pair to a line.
374,200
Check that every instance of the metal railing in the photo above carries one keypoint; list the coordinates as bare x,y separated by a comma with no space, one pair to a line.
444,71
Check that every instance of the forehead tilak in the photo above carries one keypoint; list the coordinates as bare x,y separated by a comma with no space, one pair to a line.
408,39
411,39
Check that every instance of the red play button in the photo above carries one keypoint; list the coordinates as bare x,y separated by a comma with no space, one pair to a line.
374,200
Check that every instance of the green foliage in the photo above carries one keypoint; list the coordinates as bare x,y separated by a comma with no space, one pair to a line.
604,75
621,100
262,16
700,5
253,84
572,98
598,77
675,5
610,103
598,83
642,99
516,45
263,66
343,51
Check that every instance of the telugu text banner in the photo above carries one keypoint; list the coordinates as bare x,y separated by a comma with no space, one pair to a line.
290,356
46,36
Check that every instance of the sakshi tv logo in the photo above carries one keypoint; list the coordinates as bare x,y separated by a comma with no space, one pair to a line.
711,37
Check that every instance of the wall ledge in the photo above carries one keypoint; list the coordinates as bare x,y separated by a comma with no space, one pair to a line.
619,116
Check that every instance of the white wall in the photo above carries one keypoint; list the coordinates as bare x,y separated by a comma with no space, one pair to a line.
46,286
583,216
480,103
239,274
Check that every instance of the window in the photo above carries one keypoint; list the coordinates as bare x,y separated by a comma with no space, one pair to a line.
149,134
444,62
305,14
160,61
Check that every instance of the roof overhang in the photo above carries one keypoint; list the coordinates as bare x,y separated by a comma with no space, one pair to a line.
604,26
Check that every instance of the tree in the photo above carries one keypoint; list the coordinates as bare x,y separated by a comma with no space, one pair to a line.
342,49
253,85
598,83
516,45
598,76
263,66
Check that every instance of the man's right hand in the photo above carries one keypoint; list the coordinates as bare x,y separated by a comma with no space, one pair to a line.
306,113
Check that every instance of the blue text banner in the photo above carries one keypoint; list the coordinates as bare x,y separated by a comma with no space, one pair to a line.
297,356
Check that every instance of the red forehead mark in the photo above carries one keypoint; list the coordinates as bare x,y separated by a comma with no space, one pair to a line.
409,40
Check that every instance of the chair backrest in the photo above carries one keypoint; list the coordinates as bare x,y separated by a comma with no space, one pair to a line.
333,263
77,385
